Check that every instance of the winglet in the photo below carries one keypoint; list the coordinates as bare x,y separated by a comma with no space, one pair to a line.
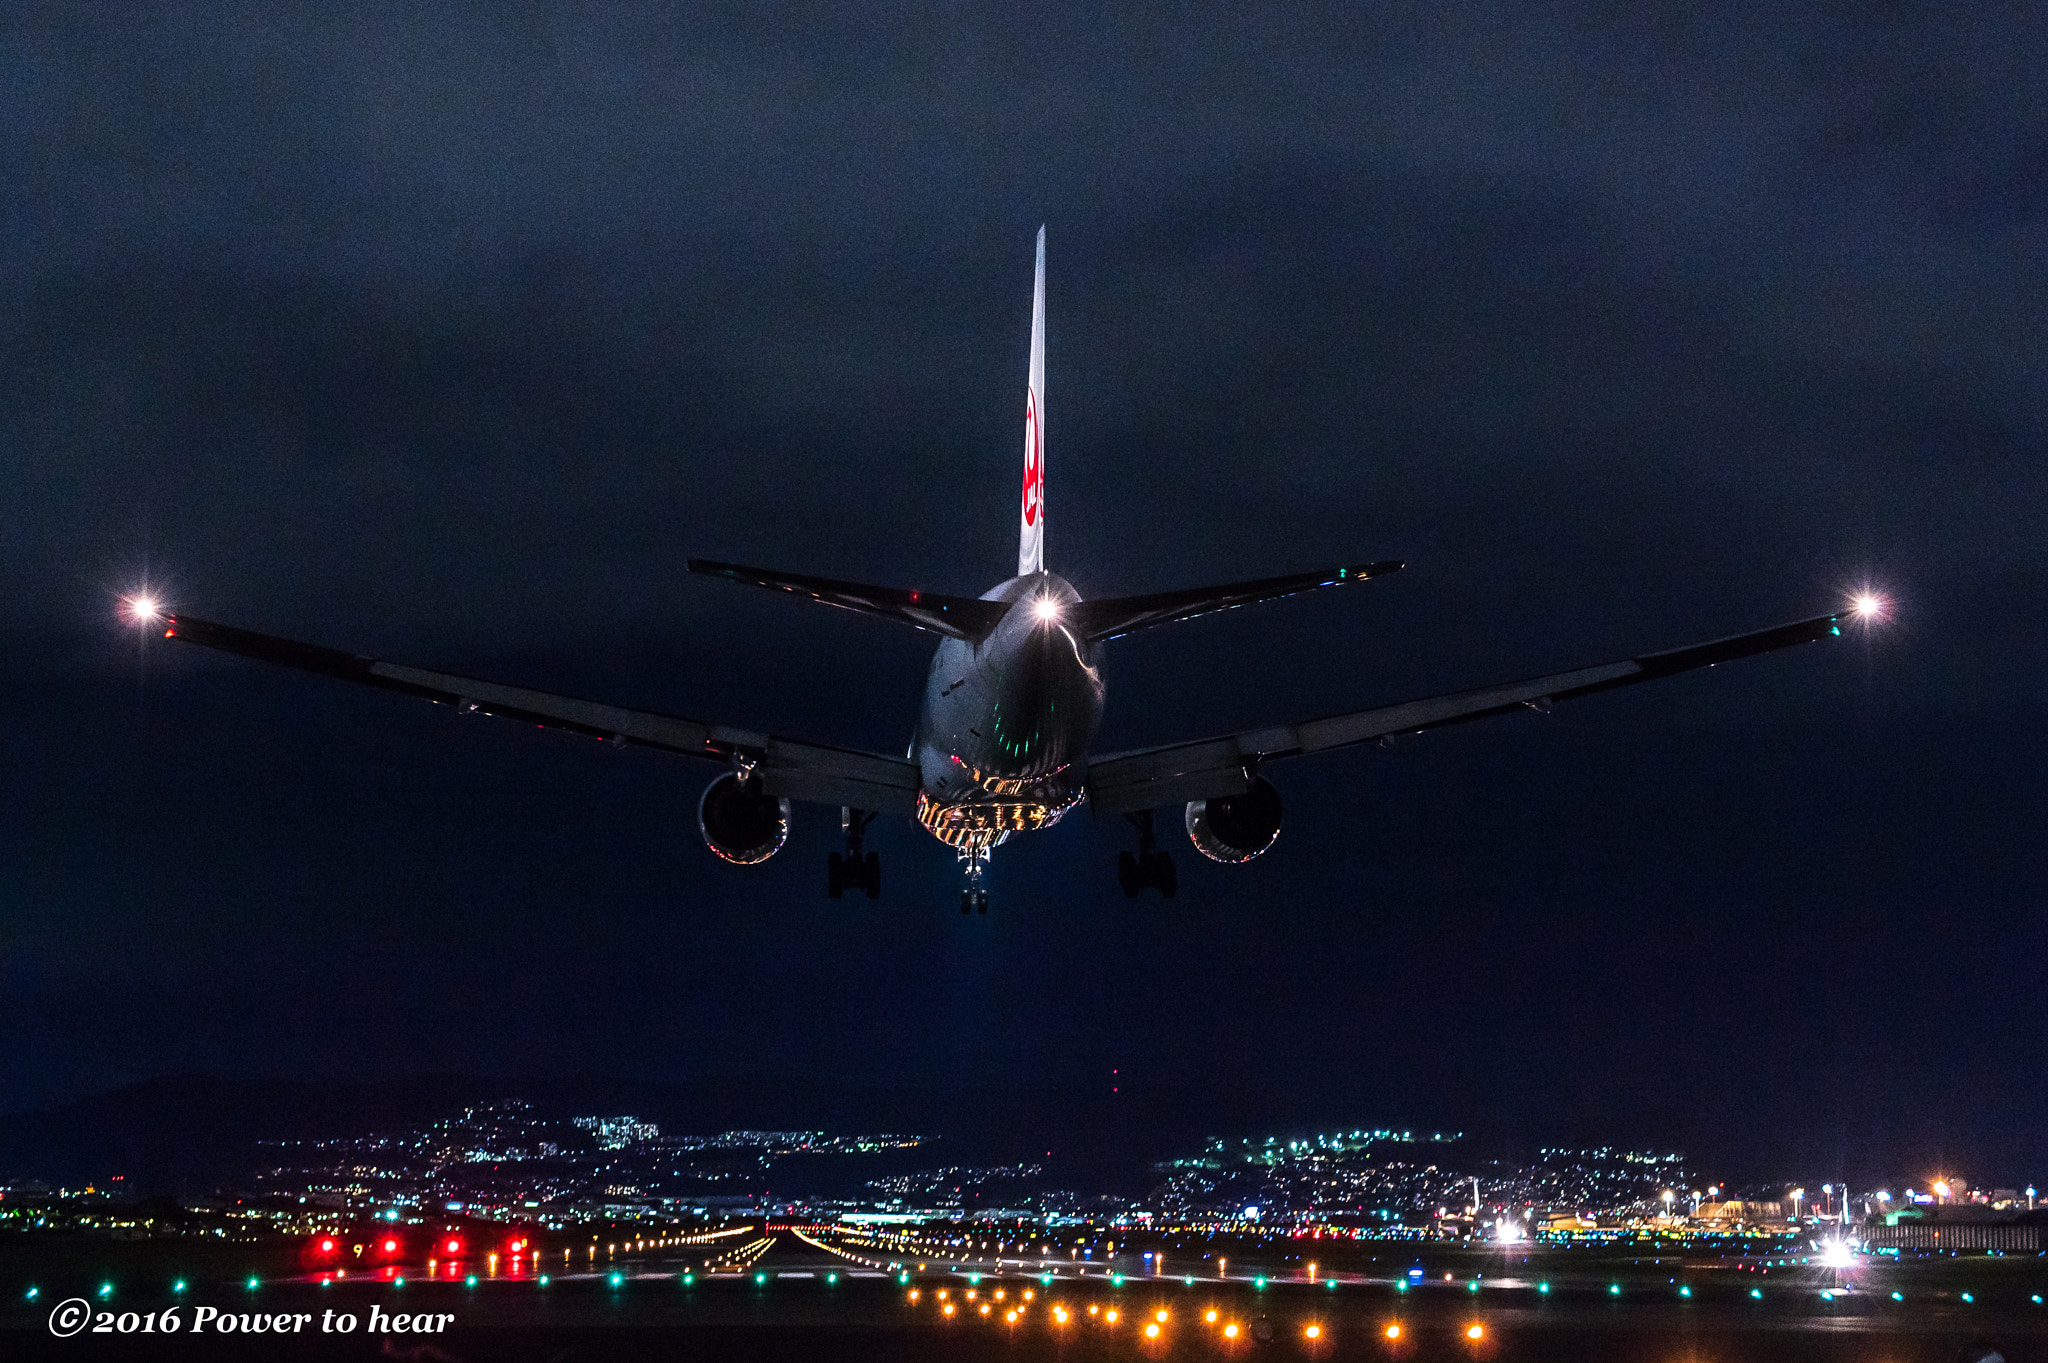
1031,531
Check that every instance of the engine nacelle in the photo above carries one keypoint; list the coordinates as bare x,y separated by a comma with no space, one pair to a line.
740,823
1236,827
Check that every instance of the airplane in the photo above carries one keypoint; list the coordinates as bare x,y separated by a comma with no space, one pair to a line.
1012,702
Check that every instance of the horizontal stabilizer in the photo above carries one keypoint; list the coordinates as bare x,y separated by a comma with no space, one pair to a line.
957,617
1122,615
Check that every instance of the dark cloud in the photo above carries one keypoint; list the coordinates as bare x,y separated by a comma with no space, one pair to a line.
449,332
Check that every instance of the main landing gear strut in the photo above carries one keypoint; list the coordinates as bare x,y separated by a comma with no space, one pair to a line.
1151,868
973,899
854,870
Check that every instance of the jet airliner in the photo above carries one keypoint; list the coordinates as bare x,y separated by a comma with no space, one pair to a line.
1011,705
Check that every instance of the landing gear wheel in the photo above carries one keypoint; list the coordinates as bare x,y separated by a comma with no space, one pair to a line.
974,861
854,870
1150,868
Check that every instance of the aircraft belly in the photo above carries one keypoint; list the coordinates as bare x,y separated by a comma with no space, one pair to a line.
1002,740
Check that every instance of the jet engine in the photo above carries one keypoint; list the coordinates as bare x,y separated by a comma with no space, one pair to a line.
739,822
1236,827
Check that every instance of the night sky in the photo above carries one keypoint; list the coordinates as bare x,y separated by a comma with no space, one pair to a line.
447,333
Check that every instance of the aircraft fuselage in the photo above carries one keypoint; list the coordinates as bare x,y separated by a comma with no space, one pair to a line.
1003,732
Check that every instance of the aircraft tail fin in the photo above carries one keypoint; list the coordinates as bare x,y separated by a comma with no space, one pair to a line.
957,617
1115,616
1031,530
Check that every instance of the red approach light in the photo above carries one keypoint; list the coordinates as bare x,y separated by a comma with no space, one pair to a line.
455,1247
327,1247
390,1246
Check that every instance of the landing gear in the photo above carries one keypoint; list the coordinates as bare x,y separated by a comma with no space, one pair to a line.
854,870
1151,868
973,899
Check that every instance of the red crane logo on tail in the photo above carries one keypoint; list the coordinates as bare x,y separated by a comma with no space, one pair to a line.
1034,466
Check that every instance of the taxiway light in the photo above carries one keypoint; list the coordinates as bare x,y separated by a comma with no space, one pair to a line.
178,1286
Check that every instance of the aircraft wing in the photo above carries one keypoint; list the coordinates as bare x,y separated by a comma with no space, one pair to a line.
1213,768
799,771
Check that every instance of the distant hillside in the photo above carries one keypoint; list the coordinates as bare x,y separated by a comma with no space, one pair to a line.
186,1134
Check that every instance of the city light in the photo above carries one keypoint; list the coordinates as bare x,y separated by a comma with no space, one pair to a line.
143,609
1392,1332
1475,1332
1837,1254
1046,608
1230,1331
